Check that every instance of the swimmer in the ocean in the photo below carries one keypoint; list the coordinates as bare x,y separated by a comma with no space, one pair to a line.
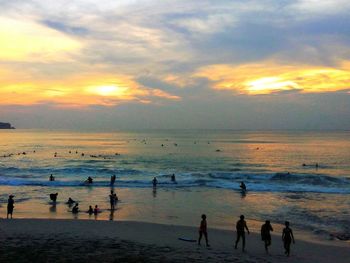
173,178
52,178
89,180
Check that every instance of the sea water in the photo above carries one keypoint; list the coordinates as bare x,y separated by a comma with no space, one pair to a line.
303,177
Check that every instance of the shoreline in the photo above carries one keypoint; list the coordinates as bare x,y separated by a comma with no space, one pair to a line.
130,241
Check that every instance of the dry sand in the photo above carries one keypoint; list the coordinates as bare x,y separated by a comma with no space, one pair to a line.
43,240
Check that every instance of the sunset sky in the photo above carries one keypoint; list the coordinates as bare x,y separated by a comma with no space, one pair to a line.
141,64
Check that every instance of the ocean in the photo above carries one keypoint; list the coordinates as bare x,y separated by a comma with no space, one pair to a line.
303,177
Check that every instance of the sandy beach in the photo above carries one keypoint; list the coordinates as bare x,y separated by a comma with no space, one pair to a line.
47,240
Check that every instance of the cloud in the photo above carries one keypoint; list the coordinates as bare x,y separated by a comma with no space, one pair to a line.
271,77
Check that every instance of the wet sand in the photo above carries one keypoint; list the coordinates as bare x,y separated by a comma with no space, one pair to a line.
47,240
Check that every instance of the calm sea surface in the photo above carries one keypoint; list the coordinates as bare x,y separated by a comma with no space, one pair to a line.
303,177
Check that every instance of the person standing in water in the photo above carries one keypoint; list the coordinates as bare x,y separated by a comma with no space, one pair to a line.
203,230
113,177
52,178
155,182
10,206
265,234
243,186
287,237
240,227
112,199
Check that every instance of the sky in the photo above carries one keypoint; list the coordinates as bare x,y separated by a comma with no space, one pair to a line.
179,64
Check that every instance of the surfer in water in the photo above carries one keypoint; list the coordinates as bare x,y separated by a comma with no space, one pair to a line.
51,178
203,231
173,178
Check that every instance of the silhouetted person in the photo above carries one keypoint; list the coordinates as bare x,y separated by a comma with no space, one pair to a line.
89,180
91,210
52,178
240,227
75,209
173,178
113,177
243,186
154,182
53,197
265,234
70,201
96,210
10,206
112,200
316,165
203,230
287,237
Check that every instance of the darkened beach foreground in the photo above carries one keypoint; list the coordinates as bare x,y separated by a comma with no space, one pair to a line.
37,240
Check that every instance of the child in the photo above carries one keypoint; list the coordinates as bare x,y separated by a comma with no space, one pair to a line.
203,230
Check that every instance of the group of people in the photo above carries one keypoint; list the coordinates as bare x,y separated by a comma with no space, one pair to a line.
241,227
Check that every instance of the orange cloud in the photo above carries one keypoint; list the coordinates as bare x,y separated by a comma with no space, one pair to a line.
77,91
271,77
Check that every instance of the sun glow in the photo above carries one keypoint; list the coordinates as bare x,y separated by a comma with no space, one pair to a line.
271,77
109,90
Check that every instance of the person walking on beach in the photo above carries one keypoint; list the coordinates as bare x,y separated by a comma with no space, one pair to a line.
287,237
240,227
203,231
10,206
266,235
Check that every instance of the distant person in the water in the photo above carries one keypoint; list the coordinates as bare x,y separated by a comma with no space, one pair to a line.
203,230
240,227
155,182
243,186
53,197
89,180
91,210
10,206
287,237
266,235
70,201
113,177
52,178
316,165
173,179
75,209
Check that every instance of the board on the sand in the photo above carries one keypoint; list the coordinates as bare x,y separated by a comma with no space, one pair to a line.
187,239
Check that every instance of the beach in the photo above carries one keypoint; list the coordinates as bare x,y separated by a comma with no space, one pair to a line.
47,240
